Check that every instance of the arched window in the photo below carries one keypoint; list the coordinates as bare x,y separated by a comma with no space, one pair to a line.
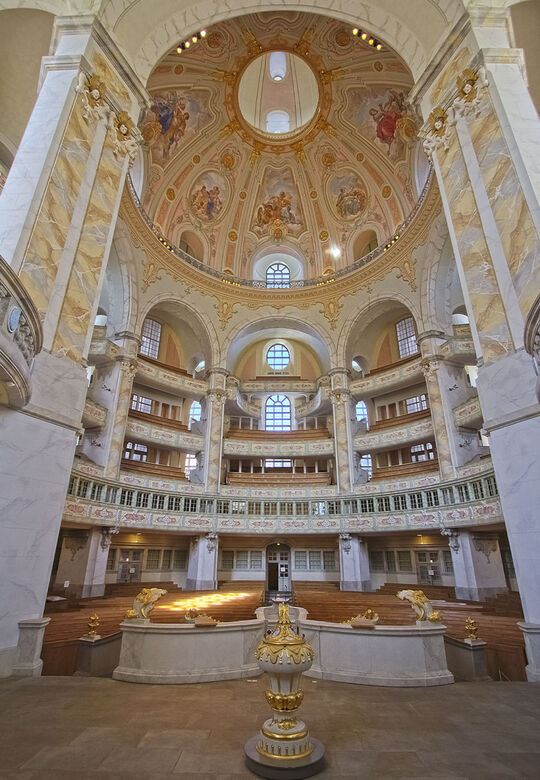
278,121
361,412
200,365
194,412
406,337
151,336
278,357
190,464
278,413
278,275
277,65
366,464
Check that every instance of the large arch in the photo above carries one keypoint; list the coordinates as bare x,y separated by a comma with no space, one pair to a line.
278,327
147,30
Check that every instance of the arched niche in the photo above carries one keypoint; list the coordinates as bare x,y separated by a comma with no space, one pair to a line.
364,243
183,340
271,255
373,337
190,243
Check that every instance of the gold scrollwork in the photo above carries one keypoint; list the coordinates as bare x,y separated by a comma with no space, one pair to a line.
284,702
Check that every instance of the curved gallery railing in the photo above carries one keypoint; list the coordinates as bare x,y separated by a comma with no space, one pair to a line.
20,338
258,283
461,503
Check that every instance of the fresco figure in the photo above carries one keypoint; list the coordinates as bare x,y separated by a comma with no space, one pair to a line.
207,197
387,115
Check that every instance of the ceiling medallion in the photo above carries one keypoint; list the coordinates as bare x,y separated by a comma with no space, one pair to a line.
178,69
342,37
378,66
313,194
328,159
243,195
360,157
196,159
386,191
171,194
233,235
227,160
323,235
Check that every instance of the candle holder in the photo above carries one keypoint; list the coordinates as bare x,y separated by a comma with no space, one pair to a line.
284,747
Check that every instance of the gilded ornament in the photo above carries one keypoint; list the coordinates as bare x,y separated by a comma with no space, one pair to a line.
437,121
233,235
421,605
123,124
342,37
171,194
178,69
313,194
466,84
328,159
284,642
360,157
386,191
93,624
225,311
227,160
369,614
285,724
471,628
130,614
323,235
243,195
302,47
378,66
407,272
284,702
196,159
213,41
96,90
145,600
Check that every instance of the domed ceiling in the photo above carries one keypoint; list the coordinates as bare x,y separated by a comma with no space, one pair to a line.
229,192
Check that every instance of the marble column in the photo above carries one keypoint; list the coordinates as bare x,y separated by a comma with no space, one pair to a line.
202,564
213,439
354,572
83,562
341,414
478,568
446,387
112,388
488,179
57,216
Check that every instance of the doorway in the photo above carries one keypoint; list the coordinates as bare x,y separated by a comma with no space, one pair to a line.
428,566
278,567
129,566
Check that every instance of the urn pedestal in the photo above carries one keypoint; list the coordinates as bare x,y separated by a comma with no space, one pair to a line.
284,748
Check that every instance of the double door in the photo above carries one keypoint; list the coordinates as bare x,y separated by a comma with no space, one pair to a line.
129,566
278,568
428,566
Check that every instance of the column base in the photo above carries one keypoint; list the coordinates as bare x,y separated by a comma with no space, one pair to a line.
8,656
309,766
29,663
478,594
201,584
358,585
531,632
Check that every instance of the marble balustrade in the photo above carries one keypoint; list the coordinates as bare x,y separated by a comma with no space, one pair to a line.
394,378
462,503
162,435
373,441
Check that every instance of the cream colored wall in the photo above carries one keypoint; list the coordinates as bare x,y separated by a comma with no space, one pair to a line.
304,362
25,37
526,27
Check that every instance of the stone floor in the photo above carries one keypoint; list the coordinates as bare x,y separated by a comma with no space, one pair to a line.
76,728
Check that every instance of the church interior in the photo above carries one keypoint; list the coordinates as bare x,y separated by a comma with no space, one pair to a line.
269,389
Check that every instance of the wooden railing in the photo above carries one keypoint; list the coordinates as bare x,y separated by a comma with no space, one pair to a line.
247,433
153,469
156,419
405,469
402,419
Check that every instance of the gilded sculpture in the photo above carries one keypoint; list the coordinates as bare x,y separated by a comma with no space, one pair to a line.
421,605
145,601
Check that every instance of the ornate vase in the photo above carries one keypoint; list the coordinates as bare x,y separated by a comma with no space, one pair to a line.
283,746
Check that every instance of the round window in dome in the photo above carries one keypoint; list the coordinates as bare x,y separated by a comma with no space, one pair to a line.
278,93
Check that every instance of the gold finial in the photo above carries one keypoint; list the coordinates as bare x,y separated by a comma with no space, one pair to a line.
93,623
471,628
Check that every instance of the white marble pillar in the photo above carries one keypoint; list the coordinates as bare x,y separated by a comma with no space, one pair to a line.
83,562
202,564
341,414
354,572
57,216
478,568
213,439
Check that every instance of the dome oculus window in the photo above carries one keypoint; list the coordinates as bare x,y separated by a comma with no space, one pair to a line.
277,65
278,121
278,413
278,357
278,275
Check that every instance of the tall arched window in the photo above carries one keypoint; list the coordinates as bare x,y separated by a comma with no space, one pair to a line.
190,464
278,357
406,337
278,413
277,65
361,412
278,121
151,336
278,275
367,464
195,412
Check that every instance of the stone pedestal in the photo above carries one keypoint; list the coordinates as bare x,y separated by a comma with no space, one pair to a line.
531,633
29,663
466,659
353,564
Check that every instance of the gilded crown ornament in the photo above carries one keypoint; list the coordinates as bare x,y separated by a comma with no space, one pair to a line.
471,628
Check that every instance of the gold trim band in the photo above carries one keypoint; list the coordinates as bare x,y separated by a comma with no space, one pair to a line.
281,737
264,753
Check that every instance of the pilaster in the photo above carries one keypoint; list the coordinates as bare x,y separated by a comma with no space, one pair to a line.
213,444
354,572
202,564
477,563
341,415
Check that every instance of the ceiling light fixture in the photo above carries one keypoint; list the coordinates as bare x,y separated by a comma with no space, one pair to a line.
195,38
367,37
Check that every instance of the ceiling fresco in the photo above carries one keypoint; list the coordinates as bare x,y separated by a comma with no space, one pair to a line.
349,170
